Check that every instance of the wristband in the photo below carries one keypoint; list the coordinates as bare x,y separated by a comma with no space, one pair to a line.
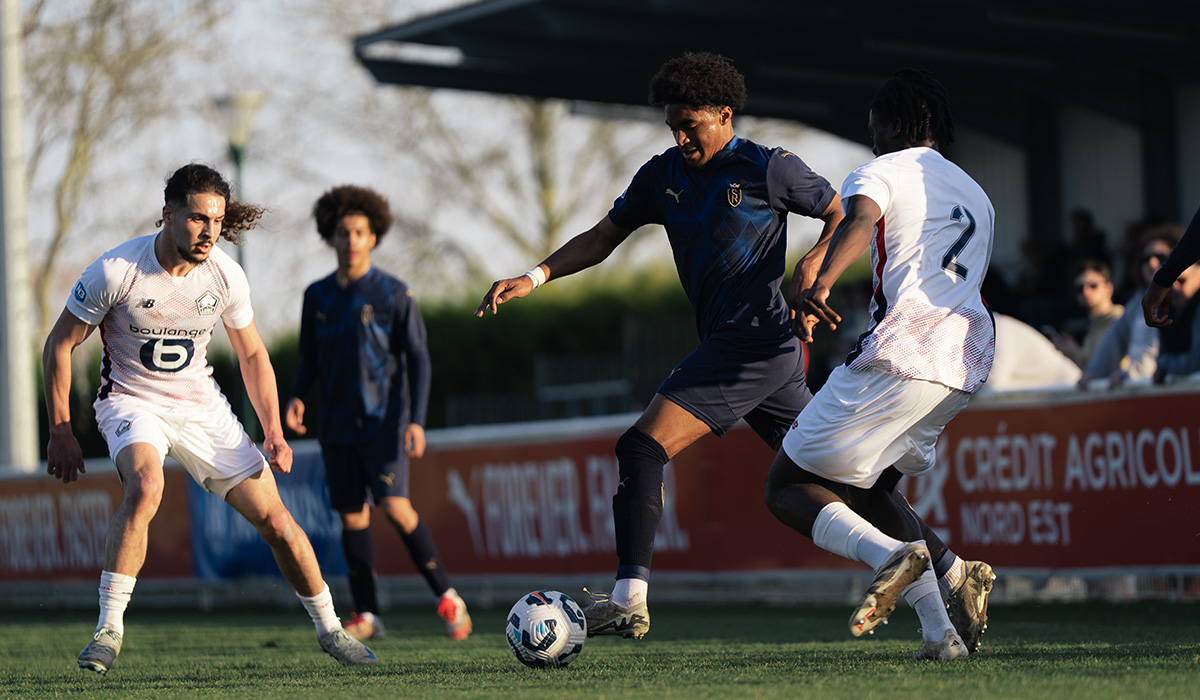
538,277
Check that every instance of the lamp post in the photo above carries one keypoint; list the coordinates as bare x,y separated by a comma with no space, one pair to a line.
236,113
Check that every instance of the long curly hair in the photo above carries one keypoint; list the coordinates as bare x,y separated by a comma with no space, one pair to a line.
699,80
351,199
196,178
917,103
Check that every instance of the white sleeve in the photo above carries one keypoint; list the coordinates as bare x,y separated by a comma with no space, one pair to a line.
238,312
97,290
868,180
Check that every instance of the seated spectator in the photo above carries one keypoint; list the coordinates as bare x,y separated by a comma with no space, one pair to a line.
1093,290
1128,351
1026,360
1179,342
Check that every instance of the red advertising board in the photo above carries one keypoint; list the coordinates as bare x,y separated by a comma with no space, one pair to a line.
1058,482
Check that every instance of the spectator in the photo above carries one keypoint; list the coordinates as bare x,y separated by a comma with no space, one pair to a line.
1093,289
1128,351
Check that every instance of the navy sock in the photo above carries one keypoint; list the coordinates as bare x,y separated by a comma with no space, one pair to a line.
359,548
425,557
638,503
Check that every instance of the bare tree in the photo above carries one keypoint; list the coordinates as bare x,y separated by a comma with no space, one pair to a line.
98,73
486,178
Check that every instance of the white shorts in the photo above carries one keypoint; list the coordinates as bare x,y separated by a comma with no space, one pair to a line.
864,421
209,442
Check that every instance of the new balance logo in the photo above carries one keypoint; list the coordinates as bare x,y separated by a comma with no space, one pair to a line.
674,194
146,304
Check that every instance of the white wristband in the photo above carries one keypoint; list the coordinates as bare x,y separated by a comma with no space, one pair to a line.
538,277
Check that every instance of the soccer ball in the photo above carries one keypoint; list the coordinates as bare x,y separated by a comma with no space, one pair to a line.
545,629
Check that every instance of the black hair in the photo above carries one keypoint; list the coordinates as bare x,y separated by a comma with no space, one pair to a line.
351,199
196,178
916,103
698,80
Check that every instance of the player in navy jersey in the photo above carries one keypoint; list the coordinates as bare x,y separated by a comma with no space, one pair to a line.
724,202
362,337
929,346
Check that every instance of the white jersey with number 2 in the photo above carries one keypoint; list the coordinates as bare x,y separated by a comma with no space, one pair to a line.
155,328
929,255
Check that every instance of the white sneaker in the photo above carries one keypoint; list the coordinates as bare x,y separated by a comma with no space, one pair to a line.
100,654
346,649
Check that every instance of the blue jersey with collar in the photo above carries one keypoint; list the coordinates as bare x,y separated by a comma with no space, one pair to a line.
365,342
727,225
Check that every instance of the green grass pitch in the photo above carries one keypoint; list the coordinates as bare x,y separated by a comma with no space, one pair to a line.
1095,651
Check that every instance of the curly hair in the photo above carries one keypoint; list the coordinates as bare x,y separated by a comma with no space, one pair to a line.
917,103
196,178
698,80
351,199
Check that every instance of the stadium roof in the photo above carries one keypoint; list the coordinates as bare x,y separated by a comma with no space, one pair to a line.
816,62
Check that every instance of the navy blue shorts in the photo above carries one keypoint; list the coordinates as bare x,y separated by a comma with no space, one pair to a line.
726,379
378,466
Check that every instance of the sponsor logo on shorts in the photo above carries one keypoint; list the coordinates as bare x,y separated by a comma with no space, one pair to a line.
123,428
80,293
207,304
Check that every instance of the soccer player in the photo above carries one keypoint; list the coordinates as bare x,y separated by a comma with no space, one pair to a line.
1155,303
724,201
362,335
930,345
157,299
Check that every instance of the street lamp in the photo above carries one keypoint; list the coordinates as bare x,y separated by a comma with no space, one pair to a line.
236,112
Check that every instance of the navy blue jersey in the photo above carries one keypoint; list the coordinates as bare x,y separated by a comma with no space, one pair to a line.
366,344
727,224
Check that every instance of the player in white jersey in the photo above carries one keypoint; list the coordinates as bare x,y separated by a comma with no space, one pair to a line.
156,300
930,344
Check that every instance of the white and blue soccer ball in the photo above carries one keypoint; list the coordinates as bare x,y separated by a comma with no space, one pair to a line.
545,629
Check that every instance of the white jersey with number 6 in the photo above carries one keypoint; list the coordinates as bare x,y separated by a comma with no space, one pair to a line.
929,255
155,328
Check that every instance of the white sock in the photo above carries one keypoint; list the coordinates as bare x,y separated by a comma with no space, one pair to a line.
115,592
847,534
629,591
954,575
926,599
320,609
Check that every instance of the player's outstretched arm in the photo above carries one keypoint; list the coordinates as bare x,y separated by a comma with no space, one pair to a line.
848,242
259,378
64,458
581,252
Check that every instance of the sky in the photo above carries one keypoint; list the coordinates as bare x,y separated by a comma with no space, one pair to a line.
303,63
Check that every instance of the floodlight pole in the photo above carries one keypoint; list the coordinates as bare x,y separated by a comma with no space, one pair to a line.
237,118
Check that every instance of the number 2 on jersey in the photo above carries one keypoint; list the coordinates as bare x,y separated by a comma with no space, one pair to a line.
950,259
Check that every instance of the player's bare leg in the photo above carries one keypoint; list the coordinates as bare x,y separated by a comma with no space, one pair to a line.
257,499
125,544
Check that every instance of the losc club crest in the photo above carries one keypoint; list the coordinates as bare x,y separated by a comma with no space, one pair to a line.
734,194
207,304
